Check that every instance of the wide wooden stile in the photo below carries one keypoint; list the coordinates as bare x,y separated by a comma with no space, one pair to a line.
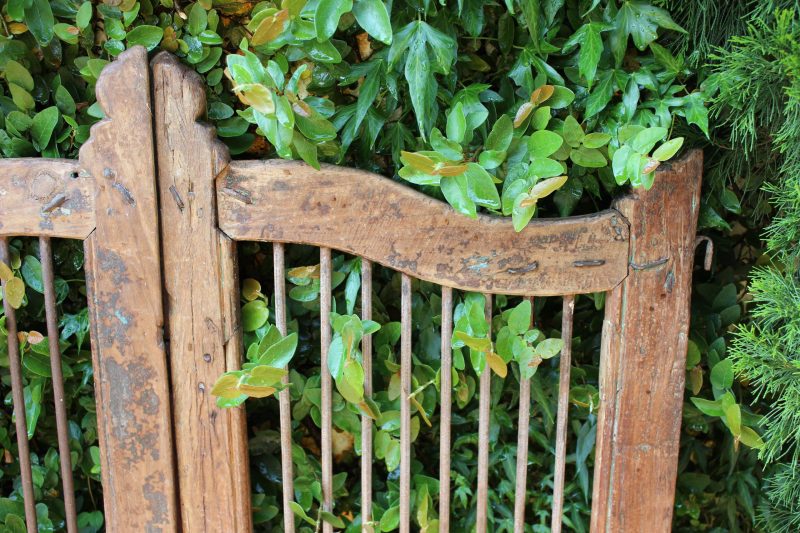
203,332
160,207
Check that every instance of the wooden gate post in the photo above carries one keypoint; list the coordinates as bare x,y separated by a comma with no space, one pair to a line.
201,284
126,309
643,357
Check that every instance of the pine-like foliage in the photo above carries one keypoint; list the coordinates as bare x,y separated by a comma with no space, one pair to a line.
756,84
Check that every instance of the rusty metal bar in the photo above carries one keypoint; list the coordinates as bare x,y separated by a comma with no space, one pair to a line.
366,422
19,402
62,429
523,428
446,385
563,409
326,385
405,405
484,413
284,398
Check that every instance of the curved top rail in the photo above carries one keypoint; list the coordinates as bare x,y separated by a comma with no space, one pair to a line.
45,197
376,218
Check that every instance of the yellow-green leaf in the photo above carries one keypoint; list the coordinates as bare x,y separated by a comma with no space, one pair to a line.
15,292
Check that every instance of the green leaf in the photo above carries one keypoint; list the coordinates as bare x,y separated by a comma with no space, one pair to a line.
520,318
544,143
332,519
601,95
456,192
573,132
373,16
500,137
147,36
646,139
750,438
588,157
254,315
18,74
722,375
549,348
351,383
31,271
279,354
40,21
84,15
327,15
544,167
668,149
44,122
420,80
298,510
456,124
522,214
390,519
596,140
708,407
449,149
482,189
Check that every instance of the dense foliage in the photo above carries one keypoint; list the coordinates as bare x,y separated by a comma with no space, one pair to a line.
519,108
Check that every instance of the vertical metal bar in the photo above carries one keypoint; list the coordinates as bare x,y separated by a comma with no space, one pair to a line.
19,402
563,409
405,405
446,383
284,398
326,385
523,427
62,429
484,413
366,422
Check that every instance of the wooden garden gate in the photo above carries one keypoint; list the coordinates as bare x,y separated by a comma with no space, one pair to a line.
160,209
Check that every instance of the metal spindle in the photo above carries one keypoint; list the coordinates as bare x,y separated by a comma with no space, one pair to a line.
446,384
19,402
366,422
563,408
326,385
523,427
62,429
284,397
405,405
484,413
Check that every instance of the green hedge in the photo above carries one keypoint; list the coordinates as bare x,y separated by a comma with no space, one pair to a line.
491,106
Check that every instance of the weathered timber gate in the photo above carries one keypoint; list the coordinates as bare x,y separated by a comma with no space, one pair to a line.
160,206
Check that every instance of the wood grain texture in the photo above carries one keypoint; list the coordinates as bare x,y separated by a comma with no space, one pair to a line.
210,442
386,222
45,197
126,307
643,357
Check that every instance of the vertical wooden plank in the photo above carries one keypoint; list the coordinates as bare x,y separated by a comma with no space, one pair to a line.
126,306
210,442
484,413
643,357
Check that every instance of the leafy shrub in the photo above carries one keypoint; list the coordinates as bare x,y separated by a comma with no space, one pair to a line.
518,108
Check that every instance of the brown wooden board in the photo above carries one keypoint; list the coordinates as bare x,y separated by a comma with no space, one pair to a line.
389,223
643,357
126,307
201,297
45,197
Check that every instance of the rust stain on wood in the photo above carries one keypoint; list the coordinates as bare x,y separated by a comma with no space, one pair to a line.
373,217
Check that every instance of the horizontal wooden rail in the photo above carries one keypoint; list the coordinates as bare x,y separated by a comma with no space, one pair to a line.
388,223
46,198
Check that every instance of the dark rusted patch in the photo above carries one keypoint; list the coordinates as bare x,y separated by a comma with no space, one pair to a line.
156,502
126,194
